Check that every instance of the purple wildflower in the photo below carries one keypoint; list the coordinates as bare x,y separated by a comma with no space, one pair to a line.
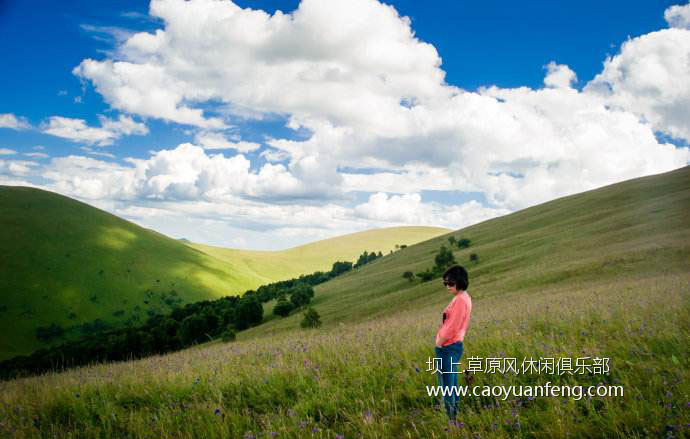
217,412
339,436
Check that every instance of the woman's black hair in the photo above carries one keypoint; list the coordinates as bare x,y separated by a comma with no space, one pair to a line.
457,274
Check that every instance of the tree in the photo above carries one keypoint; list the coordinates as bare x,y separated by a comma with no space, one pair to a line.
301,295
229,334
283,307
464,243
192,329
248,312
444,258
363,259
340,267
451,240
474,258
425,275
48,333
311,319
408,275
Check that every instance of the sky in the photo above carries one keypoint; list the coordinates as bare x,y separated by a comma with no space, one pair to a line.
268,124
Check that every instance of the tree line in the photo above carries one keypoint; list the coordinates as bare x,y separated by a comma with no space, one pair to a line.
184,326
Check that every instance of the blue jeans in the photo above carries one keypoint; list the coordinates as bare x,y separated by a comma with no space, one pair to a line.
450,354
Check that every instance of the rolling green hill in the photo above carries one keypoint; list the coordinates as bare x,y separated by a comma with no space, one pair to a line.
635,230
67,263
602,274
270,266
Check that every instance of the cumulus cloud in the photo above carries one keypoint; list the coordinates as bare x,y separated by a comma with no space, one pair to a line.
678,16
650,77
559,76
409,209
9,120
183,173
17,167
215,140
77,129
379,116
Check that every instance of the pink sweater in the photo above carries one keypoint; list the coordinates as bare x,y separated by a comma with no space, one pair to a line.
457,318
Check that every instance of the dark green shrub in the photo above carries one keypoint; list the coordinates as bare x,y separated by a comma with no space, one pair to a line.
464,243
50,332
474,258
444,258
229,334
283,307
425,275
311,319
408,275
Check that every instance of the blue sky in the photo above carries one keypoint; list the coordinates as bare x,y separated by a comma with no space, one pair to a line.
481,44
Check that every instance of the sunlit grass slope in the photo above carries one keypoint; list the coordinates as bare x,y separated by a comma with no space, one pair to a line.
68,263
270,266
599,274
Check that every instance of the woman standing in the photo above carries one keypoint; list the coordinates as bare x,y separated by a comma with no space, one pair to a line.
451,333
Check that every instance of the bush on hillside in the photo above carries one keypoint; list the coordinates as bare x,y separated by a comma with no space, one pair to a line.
228,335
464,243
311,319
474,258
425,275
408,275
444,258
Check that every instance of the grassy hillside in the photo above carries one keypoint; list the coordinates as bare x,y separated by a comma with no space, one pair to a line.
270,266
634,229
67,263
599,274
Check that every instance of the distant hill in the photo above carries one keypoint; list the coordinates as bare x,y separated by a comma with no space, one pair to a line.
271,266
69,264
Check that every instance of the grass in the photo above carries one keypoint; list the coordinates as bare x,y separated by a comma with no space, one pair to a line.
271,266
602,273
68,263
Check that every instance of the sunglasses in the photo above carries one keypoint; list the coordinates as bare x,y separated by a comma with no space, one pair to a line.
448,283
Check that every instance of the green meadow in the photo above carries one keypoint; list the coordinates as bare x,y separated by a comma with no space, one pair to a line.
70,264
599,274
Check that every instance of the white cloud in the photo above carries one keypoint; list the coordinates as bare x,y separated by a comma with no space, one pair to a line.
77,130
6,151
37,155
215,140
370,95
650,77
9,120
409,209
678,16
559,76
17,167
